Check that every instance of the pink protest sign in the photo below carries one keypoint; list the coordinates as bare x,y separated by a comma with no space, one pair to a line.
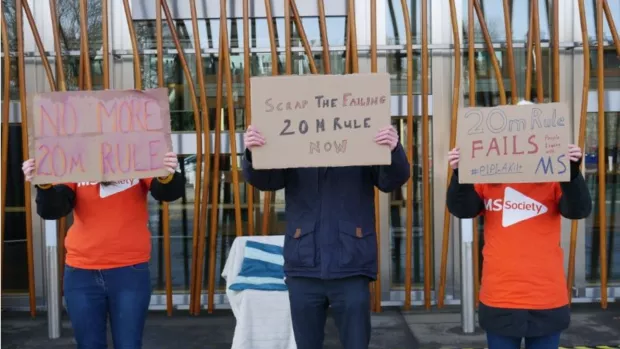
514,144
97,136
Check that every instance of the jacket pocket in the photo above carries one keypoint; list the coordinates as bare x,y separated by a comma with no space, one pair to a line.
300,245
358,246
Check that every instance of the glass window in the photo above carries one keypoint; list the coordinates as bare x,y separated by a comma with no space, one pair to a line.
398,210
487,92
69,18
611,153
397,68
493,11
614,9
611,69
396,22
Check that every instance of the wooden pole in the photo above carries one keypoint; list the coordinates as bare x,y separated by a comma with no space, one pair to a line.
21,73
231,121
602,170
200,242
612,26
426,192
582,136
540,93
324,41
195,107
247,65
62,86
410,121
37,39
514,93
374,69
456,86
274,72
165,222
528,52
215,188
303,37
6,99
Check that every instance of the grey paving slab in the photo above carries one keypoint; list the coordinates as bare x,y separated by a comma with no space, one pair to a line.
214,331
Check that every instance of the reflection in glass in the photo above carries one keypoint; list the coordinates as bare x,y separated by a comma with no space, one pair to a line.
611,69
519,17
612,196
398,212
614,9
487,92
395,22
397,68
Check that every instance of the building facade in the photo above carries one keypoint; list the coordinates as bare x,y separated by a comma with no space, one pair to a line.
391,45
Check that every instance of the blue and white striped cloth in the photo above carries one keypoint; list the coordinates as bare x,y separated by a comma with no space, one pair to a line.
262,268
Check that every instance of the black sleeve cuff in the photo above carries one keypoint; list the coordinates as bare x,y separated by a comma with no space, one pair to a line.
170,191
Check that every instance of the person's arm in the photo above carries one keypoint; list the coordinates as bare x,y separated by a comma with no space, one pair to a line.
169,188
463,200
391,177
54,201
575,201
265,180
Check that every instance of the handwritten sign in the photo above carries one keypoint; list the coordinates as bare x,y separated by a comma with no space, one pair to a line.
514,144
96,136
320,120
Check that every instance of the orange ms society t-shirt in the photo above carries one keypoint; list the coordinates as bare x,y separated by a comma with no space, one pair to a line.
110,225
523,259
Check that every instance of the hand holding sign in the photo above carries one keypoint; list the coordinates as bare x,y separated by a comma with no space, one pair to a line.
454,156
574,153
252,138
387,136
171,162
28,168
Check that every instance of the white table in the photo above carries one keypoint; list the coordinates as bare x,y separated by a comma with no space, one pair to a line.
263,317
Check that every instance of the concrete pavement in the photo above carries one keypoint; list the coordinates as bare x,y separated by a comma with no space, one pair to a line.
392,329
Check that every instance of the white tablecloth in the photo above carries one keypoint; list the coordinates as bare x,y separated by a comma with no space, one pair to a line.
263,317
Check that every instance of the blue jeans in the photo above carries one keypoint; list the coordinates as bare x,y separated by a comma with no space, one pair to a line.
504,342
350,306
120,294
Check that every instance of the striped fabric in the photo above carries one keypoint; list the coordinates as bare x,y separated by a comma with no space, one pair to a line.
262,268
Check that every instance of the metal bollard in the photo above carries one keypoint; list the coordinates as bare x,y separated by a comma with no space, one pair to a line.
51,275
468,314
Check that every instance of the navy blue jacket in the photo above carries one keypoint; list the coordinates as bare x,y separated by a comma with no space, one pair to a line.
330,214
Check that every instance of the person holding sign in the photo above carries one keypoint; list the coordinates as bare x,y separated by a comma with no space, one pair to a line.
523,291
108,251
330,248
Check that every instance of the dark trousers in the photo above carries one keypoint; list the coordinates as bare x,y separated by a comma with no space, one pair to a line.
120,294
350,305
504,342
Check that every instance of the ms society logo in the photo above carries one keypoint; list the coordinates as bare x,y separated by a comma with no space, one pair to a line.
516,207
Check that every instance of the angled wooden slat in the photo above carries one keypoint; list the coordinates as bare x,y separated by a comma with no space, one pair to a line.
324,41
21,74
6,99
197,123
200,241
456,92
247,65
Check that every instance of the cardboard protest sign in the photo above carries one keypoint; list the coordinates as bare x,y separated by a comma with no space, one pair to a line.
514,144
97,136
320,120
